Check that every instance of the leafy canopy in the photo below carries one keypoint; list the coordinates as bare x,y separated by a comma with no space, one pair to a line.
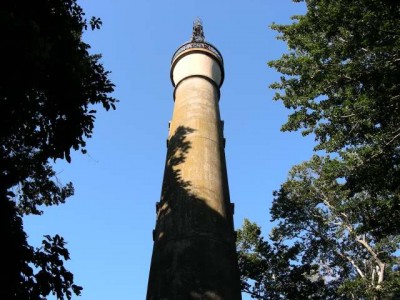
48,86
270,270
340,80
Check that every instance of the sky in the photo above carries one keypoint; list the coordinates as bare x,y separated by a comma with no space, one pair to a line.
108,223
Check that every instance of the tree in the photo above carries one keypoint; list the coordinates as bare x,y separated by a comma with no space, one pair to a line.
319,213
269,270
341,83
48,86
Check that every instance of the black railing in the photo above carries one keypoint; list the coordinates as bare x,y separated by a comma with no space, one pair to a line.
203,45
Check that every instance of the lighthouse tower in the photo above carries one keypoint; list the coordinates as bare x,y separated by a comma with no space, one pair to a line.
194,253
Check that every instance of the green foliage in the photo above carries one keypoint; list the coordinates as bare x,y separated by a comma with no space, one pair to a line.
341,83
271,271
320,214
48,86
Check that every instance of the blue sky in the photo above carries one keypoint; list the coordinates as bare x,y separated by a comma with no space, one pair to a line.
108,223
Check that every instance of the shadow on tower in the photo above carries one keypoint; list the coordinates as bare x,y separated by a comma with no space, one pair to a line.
194,254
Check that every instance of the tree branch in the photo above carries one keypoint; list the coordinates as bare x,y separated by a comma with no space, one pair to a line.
254,295
359,271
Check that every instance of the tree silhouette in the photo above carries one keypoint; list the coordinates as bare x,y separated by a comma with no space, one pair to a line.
48,85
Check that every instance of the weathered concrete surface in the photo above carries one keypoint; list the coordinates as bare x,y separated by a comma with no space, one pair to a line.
194,253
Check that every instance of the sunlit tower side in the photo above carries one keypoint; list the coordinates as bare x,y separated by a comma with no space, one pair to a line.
194,254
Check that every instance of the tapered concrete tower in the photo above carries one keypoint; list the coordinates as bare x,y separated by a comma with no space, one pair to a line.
194,254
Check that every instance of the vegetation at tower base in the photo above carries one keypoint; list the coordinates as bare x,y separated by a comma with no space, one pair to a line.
340,211
48,85
268,270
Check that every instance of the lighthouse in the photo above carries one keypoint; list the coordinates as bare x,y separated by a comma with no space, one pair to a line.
194,253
